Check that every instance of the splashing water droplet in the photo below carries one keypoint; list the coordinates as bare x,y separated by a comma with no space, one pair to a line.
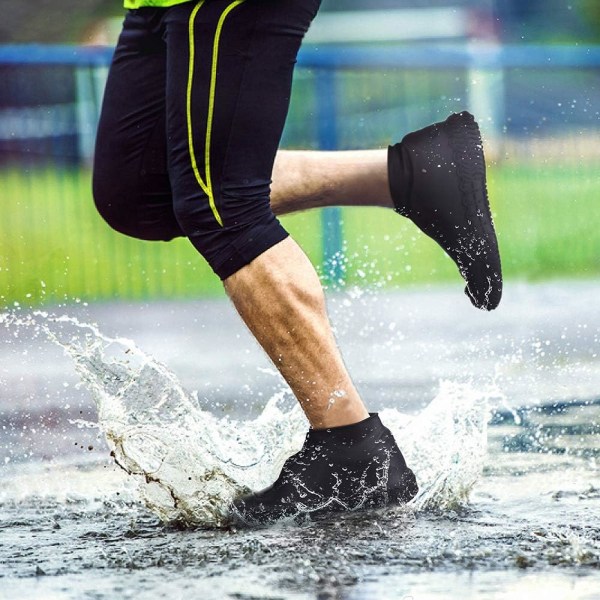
190,464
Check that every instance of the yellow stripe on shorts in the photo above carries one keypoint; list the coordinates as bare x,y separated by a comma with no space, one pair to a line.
205,185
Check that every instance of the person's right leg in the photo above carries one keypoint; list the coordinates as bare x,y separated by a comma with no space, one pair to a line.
222,145
224,117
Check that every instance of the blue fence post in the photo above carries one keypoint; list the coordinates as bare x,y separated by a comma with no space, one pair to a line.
331,220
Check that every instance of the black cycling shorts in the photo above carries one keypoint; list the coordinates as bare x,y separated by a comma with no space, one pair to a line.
193,112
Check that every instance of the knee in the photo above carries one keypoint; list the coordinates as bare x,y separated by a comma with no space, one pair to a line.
127,209
111,200
231,231
232,208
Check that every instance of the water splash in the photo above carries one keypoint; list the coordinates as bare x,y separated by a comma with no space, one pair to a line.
446,443
190,464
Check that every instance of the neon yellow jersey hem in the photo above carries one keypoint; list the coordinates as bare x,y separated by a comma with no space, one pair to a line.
155,3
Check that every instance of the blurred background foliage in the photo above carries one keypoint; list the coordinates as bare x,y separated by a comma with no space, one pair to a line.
542,126
54,21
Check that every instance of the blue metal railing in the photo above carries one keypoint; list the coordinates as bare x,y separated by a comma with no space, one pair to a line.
325,60
327,135
339,57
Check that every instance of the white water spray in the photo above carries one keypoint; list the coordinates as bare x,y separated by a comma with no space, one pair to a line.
190,464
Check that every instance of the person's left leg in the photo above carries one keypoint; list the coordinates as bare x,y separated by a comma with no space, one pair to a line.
436,177
305,179
131,186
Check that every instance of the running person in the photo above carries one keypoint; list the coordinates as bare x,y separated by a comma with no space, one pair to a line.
194,108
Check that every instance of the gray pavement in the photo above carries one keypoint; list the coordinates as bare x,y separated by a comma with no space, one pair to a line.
73,526
542,345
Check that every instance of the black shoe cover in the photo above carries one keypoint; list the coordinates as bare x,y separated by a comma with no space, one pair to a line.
340,469
437,179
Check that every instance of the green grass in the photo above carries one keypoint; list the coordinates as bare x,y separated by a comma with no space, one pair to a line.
546,219
54,247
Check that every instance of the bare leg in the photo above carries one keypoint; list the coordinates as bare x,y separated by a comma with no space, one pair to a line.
456,215
349,460
280,298
310,179
279,295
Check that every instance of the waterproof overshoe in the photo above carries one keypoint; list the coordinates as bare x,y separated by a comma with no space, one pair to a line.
340,469
437,179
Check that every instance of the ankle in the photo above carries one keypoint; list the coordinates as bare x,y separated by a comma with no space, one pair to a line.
400,178
339,414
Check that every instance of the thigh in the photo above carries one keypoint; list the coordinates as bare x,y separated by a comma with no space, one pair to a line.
131,183
229,78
